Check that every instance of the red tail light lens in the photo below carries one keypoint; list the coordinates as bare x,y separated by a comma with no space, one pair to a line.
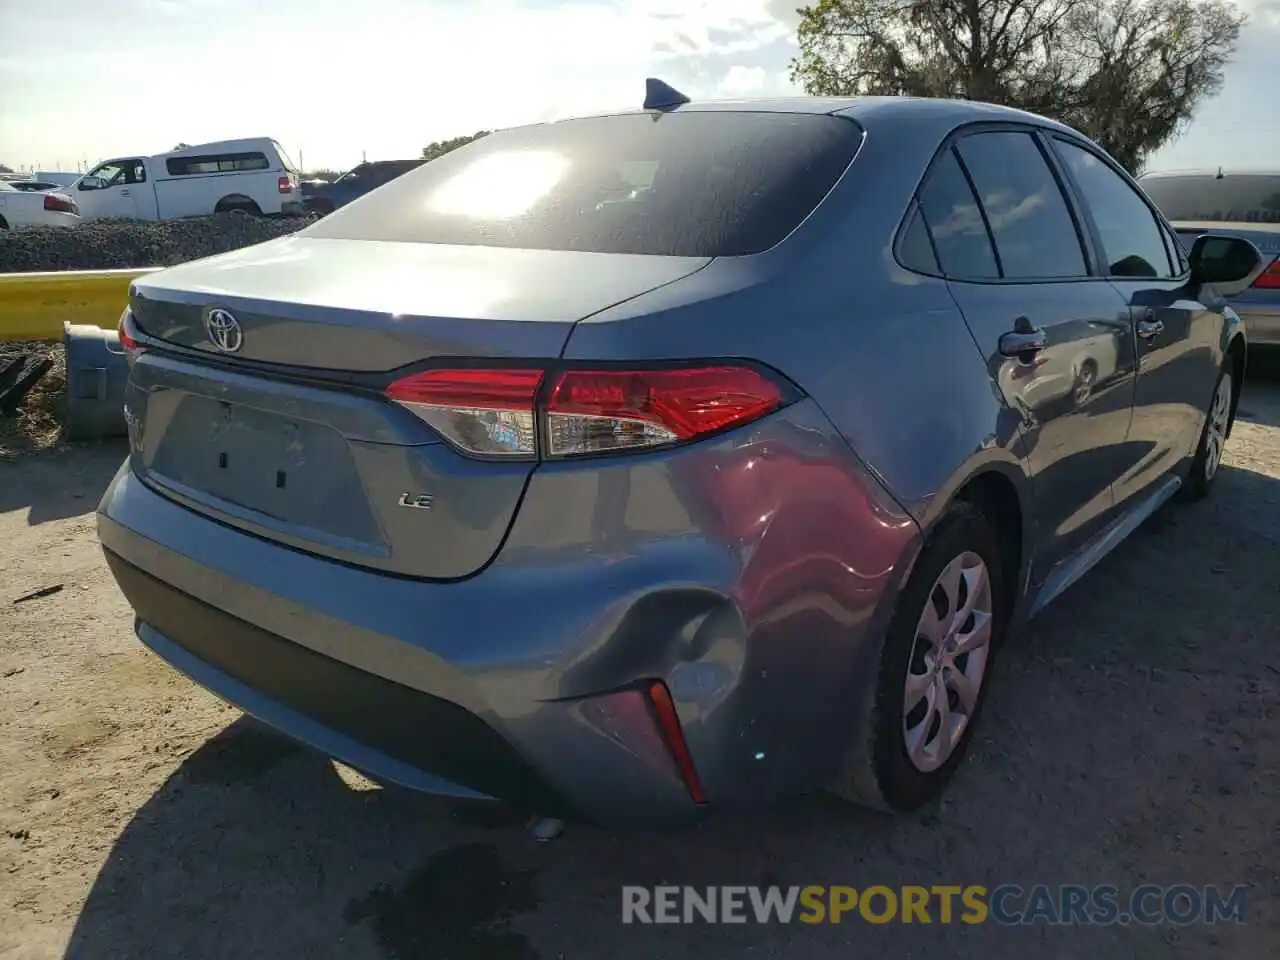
592,411
59,203
124,329
485,412
284,184
1269,279
496,412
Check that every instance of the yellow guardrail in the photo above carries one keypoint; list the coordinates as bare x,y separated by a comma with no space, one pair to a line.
33,306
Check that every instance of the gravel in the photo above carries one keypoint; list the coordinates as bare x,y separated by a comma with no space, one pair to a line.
119,243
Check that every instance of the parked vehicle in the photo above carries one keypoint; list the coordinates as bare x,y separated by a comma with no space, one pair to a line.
592,468
1231,204
32,186
323,196
58,177
252,176
27,208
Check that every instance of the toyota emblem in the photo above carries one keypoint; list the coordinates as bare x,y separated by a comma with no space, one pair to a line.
224,330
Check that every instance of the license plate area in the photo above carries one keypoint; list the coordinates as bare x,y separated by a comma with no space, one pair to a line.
296,472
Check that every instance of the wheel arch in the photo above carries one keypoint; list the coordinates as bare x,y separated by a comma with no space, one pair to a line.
1237,357
236,201
999,488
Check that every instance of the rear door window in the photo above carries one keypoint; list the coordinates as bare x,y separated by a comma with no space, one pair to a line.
1034,232
1132,240
915,250
951,212
698,184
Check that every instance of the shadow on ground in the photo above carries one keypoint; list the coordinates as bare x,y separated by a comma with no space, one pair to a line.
59,484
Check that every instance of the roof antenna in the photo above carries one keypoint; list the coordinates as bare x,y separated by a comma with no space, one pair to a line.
661,96
1219,176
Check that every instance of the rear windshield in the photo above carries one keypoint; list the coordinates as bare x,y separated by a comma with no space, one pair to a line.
1235,198
680,184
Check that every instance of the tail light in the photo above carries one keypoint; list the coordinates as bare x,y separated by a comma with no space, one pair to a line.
125,331
488,412
1269,279
577,412
284,184
60,203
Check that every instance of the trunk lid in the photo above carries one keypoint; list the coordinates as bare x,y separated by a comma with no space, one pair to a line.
1264,236
289,435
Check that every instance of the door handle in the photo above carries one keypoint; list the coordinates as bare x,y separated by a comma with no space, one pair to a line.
1023,341
125,193
1150,328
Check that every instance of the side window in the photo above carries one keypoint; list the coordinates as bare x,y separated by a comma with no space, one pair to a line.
1031,223
216,163
951,213
109,173
135,171
915,250
1132,241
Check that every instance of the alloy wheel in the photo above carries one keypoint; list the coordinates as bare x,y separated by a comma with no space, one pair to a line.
1216,429
948,662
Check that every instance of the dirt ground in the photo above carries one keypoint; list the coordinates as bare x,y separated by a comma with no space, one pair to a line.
1131,738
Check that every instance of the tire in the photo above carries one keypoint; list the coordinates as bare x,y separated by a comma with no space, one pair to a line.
963,543
4,224
247,207
1207,463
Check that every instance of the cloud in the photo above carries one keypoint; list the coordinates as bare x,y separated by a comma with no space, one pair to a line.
742,81
722,28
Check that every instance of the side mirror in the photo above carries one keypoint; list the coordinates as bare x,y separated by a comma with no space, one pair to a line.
1229,263
90,183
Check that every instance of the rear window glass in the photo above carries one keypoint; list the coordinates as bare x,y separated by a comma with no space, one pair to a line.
216,163
1235,198
680,184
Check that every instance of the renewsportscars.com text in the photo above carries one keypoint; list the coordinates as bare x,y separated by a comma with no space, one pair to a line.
1007,904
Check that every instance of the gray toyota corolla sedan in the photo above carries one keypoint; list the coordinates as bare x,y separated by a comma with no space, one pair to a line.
641,465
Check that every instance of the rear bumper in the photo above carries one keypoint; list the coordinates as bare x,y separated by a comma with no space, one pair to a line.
382,727
523,681
1261,323
293,208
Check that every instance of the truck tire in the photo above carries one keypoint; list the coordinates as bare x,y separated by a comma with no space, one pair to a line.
241,204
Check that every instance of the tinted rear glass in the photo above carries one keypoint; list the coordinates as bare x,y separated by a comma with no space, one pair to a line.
680,184
1236,198
216,163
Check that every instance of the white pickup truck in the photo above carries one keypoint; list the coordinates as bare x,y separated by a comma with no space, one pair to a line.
252,175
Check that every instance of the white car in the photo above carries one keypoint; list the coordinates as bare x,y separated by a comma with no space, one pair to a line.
23,208
253,176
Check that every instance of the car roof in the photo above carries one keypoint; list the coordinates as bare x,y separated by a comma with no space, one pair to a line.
220,146
870,111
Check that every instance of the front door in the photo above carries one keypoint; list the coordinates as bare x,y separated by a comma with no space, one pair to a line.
108,190
1176,336
1058,343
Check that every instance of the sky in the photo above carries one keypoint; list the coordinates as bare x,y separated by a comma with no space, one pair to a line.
335,81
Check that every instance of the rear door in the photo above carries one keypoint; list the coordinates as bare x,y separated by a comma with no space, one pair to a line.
1178,337
1057,340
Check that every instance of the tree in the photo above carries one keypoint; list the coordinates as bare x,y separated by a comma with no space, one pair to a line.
4,169
1129,73
438,148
